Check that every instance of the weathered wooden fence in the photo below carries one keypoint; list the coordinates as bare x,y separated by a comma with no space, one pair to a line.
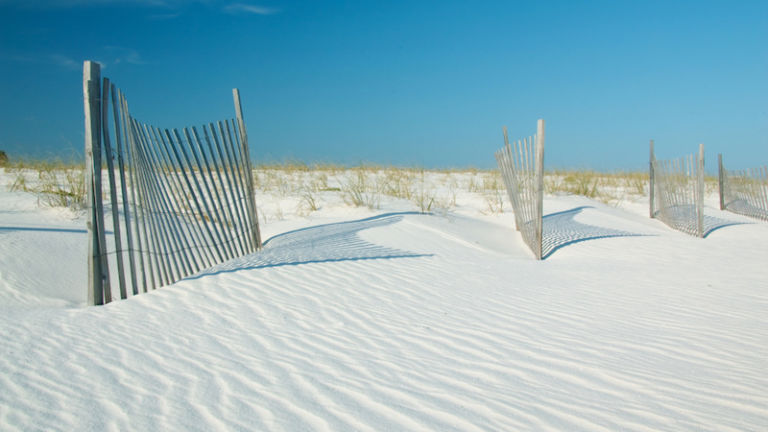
744,191
177,201
522,168
677,192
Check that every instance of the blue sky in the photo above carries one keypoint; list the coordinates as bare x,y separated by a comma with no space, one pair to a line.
424,83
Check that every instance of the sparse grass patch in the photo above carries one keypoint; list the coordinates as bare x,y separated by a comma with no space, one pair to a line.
360,189
398,183
711,184
585,183
635,182
493,192
55,183
309,191
423,196
610,188
19,183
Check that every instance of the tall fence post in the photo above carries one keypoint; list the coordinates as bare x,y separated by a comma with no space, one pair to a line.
700,191
721,180
253,215
539,186
92,96
651,181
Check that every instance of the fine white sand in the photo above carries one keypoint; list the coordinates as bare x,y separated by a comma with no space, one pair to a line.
355,319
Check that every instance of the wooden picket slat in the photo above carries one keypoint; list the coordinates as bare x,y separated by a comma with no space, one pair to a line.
112,186
120,137
245,157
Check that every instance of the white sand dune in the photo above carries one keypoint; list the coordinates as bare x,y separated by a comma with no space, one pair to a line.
401,321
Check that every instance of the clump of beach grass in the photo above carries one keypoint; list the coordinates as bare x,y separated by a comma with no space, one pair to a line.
360,189
55,183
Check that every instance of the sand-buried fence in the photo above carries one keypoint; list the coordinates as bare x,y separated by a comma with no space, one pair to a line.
677,191
173,202
522,167
744,191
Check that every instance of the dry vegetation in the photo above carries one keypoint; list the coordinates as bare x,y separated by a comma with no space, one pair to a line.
299,188
296,188
56,183
610,188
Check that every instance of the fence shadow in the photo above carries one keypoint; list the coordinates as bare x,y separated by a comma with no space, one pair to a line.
683,218
50,230
712,224
742,207
334,242
561,230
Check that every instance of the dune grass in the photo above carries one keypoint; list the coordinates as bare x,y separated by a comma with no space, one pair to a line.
610,188
55,183
307,188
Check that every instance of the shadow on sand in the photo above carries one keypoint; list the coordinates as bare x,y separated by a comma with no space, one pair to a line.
561,230
712,224
683,218
334,242
51,230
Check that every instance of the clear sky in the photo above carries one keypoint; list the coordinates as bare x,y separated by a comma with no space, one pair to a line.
425,83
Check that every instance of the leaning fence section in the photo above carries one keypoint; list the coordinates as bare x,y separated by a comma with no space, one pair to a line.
522,167
744,191
677,192
163,203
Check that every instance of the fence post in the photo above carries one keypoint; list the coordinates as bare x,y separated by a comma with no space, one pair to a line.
91,87
700,191
721,180
253,215
539,187
652,181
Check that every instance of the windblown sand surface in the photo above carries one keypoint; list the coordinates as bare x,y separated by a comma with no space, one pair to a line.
394,320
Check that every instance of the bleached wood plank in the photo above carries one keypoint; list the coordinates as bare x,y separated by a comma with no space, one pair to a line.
253,214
